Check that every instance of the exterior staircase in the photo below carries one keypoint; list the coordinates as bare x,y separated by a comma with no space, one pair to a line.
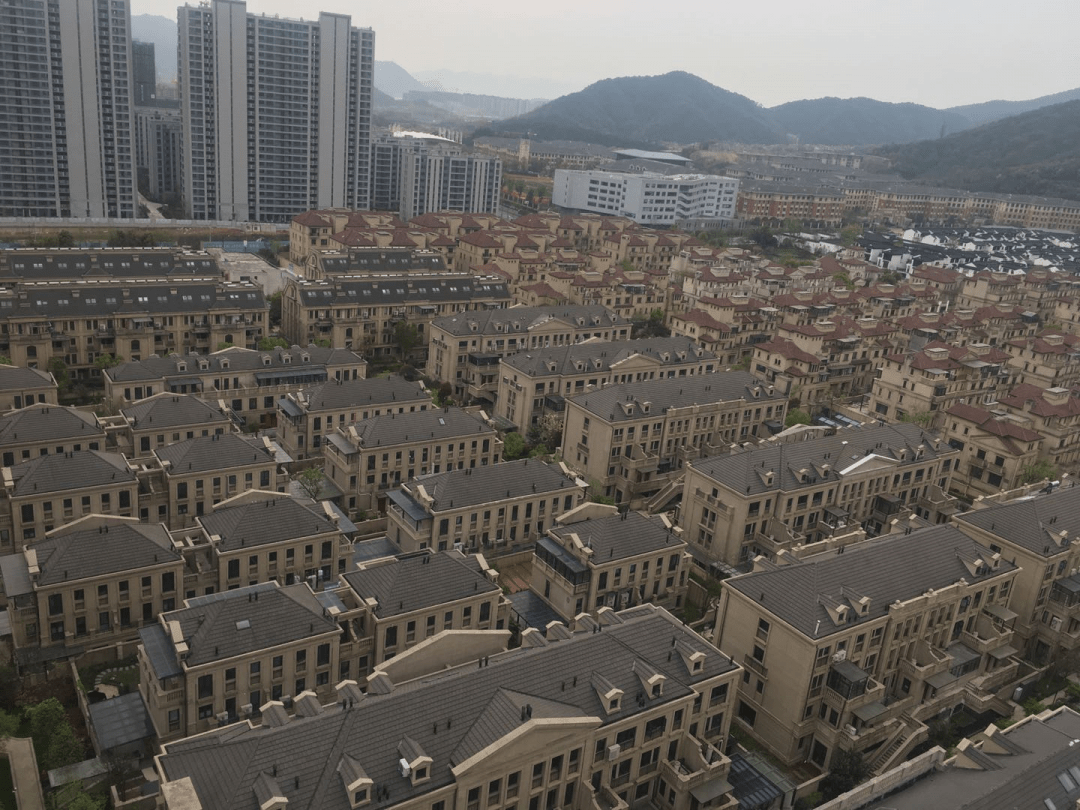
907,736
662,498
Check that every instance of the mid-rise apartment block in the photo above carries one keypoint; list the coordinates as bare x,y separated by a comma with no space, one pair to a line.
860,650
635,438
649,198
995,450
224,656
276,112
537,382
67,137
767,499
401,602
594,557
578,719
481,508
53,490
1037,533
924,383
248,381
308,417
82,321
373,455
365,313
89,585
21,387
465,349
1054,414
414,173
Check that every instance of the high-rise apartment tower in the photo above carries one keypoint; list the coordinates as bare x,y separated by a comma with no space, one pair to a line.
65,109
276,112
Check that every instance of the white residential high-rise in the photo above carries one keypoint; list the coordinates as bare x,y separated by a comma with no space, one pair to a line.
415,173
650,198
66,145
276,112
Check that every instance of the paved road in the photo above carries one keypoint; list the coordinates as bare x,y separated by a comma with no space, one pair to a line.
24,773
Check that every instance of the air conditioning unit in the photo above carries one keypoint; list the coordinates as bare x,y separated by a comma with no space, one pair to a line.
850,730
459,547
1055,623
839,655
403,767
613,752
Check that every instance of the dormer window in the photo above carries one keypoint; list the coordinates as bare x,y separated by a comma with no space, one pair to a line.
224,363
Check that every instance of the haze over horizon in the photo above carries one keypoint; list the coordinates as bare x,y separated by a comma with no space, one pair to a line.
933,53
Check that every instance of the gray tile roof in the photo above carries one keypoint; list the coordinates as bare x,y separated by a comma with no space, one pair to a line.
840,451
404,290
48,422
240,359
107,299
76,263
519,320
235,624
509,479
450,716
77,470
1028,777
419,581
173,410
262,522
17,378
86,553
373,391
677,392
621,536
431,425
210,453
1035,523
121,721
885,569
595,355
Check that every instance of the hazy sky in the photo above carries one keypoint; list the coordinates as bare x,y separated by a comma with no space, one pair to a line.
936,52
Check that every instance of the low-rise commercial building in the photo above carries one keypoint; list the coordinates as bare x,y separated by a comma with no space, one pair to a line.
766,499
373,455
634,439
650,198
482,508
534,383
306,418
859,650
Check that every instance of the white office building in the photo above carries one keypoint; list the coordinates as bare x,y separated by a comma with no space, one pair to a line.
276,113
66,143
649,198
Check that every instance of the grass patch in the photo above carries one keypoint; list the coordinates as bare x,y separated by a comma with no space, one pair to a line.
129,677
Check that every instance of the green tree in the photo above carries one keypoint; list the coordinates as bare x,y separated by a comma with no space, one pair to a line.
65,239
763,237
1039,471
797,417
225,345
105,361
921,418
311,481
60,373
9,687
72,796
596,493
275,308
546,434
513,446
64,748
131,238
45,718
5,360
267,344
407,337
9,724
849,770
323,343
445,394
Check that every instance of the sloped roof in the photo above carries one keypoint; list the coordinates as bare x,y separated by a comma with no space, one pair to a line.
47,422
421,581
89,553
77,470
211,453
262,522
